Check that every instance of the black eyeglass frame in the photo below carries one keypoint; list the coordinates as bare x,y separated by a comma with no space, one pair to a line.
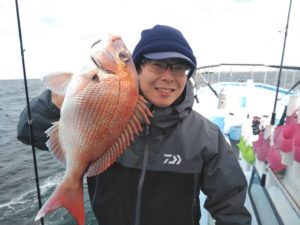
169,65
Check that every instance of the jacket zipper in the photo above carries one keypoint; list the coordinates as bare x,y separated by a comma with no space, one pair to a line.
142,177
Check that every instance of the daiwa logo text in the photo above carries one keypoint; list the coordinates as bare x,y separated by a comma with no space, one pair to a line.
172,159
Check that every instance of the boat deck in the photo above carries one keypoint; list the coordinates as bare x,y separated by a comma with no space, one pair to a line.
278,200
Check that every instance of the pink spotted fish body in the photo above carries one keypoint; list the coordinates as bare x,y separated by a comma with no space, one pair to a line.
101,113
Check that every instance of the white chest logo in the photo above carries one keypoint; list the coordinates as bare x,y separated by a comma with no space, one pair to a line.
172,159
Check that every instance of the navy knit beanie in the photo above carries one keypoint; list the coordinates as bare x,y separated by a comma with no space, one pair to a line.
163,38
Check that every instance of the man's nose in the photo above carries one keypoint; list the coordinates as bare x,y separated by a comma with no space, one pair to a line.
168,74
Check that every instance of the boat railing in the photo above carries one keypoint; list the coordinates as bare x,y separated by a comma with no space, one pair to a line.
259,73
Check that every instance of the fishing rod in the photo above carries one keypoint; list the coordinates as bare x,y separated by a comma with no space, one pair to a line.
281,65
293,87
28,109
263,177
209,85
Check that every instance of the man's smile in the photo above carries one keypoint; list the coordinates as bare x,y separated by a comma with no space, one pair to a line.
165,90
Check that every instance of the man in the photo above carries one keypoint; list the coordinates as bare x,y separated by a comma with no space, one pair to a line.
158,178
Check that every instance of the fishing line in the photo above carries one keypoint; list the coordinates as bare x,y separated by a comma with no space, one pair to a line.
28,109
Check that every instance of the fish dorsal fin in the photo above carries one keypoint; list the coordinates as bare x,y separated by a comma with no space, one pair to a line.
53,144
133,127
58,81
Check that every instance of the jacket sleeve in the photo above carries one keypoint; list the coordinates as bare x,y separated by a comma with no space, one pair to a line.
225,186
43,114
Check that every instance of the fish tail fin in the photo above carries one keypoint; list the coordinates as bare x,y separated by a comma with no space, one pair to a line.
69,197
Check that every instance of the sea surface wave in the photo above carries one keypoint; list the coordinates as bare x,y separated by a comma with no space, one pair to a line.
18,191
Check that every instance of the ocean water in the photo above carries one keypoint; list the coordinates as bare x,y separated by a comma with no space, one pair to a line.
18,194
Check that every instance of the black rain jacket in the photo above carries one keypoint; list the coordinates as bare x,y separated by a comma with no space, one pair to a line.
187,153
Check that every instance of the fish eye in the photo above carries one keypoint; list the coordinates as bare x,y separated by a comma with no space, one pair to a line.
124,56
95,77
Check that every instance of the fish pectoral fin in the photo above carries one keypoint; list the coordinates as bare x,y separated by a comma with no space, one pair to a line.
104,161
133,127
54,145
109,156
58,81
67,196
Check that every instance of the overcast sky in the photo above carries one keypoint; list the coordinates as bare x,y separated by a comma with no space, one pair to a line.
57,34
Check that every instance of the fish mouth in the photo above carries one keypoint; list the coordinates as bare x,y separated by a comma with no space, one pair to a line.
108,52
96,42
97,47
100,67
93,46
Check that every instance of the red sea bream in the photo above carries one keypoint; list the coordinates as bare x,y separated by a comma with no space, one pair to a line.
101,112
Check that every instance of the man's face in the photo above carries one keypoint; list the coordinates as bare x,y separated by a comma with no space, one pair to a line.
162,81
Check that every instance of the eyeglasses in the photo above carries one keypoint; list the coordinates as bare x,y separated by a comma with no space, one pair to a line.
158,66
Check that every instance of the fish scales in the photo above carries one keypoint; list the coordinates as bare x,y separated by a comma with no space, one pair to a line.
83,128
106,114
100,114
